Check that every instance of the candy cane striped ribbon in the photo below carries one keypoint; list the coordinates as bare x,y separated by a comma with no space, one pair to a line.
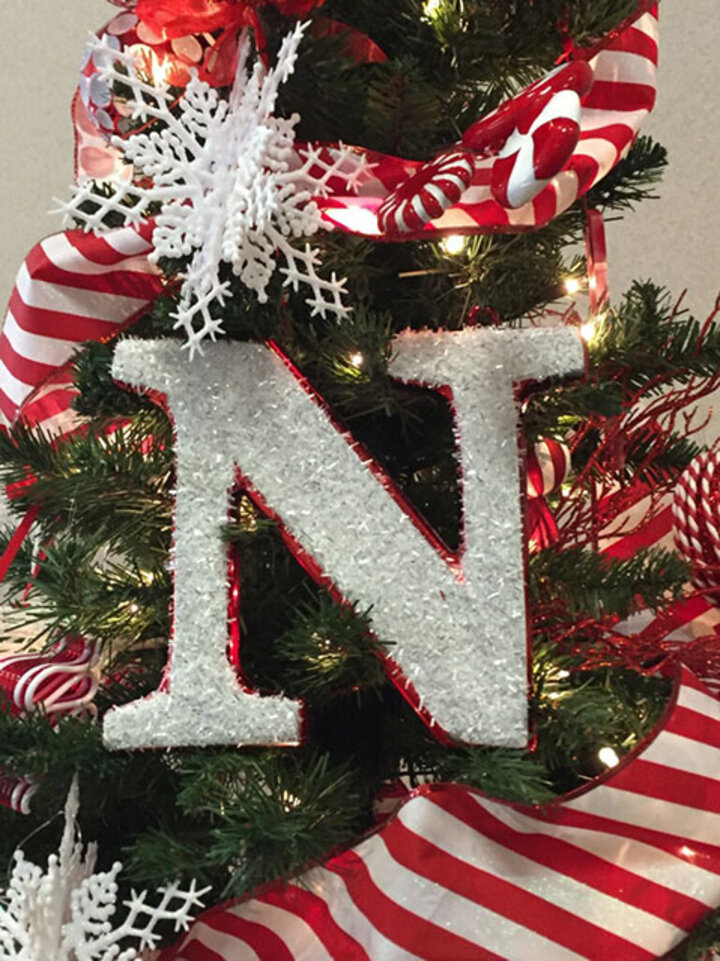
73,287
622,869
613,111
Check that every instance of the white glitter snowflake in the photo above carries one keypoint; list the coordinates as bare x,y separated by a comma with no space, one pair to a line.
66,912
229,183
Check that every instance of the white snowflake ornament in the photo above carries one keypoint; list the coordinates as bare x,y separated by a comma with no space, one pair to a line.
66,913
227,185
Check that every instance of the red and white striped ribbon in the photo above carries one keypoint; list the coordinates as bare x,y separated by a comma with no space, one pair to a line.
613,111
621,869
73,287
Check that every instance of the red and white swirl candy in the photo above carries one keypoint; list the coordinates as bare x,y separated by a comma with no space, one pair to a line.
696,518
60,681
428,193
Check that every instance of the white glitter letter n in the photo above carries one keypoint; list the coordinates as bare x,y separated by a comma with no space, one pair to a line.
458,631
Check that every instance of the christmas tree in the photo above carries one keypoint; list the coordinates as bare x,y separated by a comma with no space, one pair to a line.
322,436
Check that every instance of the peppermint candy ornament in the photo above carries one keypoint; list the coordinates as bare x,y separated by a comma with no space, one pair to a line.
428,193
489,135
530,159
696,518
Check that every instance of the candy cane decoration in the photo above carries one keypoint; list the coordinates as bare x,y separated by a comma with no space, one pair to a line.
696,517
613,110
58,682
16,792
548,465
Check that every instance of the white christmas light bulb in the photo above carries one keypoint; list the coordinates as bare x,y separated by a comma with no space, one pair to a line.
572,286
588,330
608,756
454,244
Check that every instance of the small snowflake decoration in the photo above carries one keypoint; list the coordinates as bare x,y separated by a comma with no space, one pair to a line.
66,912
229,183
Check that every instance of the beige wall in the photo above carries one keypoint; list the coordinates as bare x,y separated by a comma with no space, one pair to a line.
42,45
676,241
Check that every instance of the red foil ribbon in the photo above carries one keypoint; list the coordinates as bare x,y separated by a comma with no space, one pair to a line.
597,262
17,541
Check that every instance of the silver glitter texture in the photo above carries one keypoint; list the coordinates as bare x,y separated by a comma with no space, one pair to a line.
459,641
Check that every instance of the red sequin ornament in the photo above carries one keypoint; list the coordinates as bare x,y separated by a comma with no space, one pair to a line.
179,18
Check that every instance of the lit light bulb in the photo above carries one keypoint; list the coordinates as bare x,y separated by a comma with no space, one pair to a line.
591,328
608,756
588,330
454,244
160,70
572,286
357,359
356,219
432,7
289,801
563,674
133,608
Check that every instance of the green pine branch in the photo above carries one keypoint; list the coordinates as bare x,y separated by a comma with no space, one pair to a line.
598,585
648,343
